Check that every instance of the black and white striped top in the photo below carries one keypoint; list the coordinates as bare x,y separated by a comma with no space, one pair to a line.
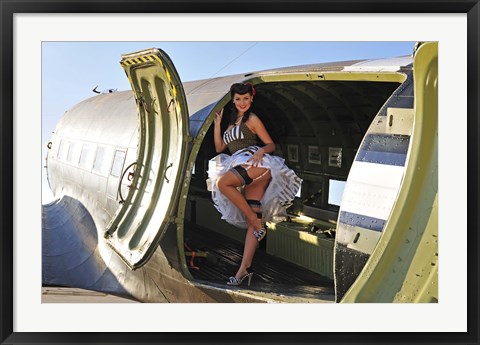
239,137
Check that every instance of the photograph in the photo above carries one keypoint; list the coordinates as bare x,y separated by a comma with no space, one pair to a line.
293,153
111,182
115,189
188,173
335,157
314,155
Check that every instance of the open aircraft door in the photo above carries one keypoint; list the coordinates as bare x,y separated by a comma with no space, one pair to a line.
400,263
150,206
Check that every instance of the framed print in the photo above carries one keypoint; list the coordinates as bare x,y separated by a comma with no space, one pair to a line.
293,153
335,157
303,103
314,155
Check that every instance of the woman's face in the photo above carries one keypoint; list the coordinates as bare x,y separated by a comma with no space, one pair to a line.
242,102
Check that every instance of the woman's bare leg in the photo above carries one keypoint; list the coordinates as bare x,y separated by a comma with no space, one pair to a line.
253,191
249,249
228,183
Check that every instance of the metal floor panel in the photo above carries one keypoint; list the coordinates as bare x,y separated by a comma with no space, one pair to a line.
272,275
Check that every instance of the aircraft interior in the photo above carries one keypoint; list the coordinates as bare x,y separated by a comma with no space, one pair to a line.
317,127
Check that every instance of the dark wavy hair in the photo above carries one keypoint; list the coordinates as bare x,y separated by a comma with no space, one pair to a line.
241,89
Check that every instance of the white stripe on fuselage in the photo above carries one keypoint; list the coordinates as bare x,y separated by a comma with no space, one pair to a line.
372,189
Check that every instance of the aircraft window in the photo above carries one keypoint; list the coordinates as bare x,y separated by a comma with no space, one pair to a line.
118,163
335,192
59,151
85,156
71,152
64,152
97,165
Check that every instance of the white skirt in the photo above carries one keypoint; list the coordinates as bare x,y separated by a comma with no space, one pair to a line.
278,196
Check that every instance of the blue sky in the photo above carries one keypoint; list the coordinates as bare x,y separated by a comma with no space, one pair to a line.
70,70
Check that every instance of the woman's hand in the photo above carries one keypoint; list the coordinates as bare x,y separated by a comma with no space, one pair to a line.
218,117
217,136
257,157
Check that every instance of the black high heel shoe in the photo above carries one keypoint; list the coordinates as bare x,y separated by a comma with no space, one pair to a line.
238,281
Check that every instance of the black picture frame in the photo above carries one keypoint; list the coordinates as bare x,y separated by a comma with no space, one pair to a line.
314,155
10,7
335,157
293,153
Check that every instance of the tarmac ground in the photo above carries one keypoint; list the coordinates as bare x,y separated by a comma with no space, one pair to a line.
73,295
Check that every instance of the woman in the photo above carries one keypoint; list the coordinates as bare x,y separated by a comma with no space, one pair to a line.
251,186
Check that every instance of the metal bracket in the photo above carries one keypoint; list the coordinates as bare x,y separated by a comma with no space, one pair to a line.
165,175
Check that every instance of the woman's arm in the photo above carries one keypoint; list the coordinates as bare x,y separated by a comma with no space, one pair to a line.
217,135
257,127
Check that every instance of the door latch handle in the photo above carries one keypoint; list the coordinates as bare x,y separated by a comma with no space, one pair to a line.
171,164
